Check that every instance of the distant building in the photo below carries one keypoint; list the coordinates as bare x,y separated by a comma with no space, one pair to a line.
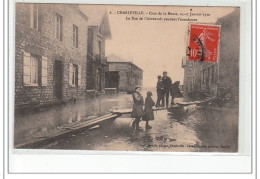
216,78
98,32
50,54
122,74
188,75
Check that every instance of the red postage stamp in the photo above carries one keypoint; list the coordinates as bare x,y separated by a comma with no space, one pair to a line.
203,42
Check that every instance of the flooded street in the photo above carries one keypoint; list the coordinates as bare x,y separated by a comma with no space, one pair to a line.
188,134
201,129
32,122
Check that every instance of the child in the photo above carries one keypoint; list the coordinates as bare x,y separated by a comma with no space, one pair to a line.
149,103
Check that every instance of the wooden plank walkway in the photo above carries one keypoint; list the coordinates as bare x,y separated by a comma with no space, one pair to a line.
129,110
49,136
194,102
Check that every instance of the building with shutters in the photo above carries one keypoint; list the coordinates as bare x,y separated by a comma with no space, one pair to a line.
50,54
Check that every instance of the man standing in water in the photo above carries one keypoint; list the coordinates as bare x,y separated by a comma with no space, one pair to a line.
159,88
167,82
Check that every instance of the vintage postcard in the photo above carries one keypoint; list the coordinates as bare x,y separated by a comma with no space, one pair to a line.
126,77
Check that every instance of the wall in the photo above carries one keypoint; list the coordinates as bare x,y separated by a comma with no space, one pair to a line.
226,71
44,43
95,61
229,51
129,75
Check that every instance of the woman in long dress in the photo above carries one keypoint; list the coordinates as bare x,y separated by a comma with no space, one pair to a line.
137,111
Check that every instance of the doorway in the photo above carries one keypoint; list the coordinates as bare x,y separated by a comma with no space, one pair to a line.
98,79
58,79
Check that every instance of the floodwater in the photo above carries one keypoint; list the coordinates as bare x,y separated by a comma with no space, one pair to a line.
29,123
200,130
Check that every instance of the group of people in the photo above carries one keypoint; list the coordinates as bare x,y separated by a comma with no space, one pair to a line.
164,88
138,112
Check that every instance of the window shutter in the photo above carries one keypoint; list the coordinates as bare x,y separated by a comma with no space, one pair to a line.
26,68
79,75
44,71
70,73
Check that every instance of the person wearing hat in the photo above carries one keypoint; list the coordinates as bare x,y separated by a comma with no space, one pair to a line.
167,83
148,109
137,111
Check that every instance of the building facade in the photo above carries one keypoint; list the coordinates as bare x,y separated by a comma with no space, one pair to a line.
50,54
200,77
126,75
216,78
98,32
229,53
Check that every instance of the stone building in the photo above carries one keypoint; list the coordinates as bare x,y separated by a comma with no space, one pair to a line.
125,74
200,77
98,32
50,54
229,52
216,78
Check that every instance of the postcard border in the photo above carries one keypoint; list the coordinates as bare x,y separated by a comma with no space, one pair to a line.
8,85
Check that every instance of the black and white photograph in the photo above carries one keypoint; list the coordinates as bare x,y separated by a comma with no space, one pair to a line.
126,77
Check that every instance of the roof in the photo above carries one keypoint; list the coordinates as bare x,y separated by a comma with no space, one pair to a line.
96,16
79,11
235,15
115,58
112,58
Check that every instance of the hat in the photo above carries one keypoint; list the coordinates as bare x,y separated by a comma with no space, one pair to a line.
137,87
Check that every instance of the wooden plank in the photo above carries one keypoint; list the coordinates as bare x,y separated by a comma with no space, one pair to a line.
58,133
121,111
129,110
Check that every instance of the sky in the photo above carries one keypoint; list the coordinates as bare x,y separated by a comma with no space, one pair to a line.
155,46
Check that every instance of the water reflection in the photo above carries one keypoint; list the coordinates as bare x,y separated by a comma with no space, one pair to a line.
29,123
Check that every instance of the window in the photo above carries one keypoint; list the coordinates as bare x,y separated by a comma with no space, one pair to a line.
31,69
59,27
204,76
99,48
75,36
74,75
34,69
212,74
35,16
